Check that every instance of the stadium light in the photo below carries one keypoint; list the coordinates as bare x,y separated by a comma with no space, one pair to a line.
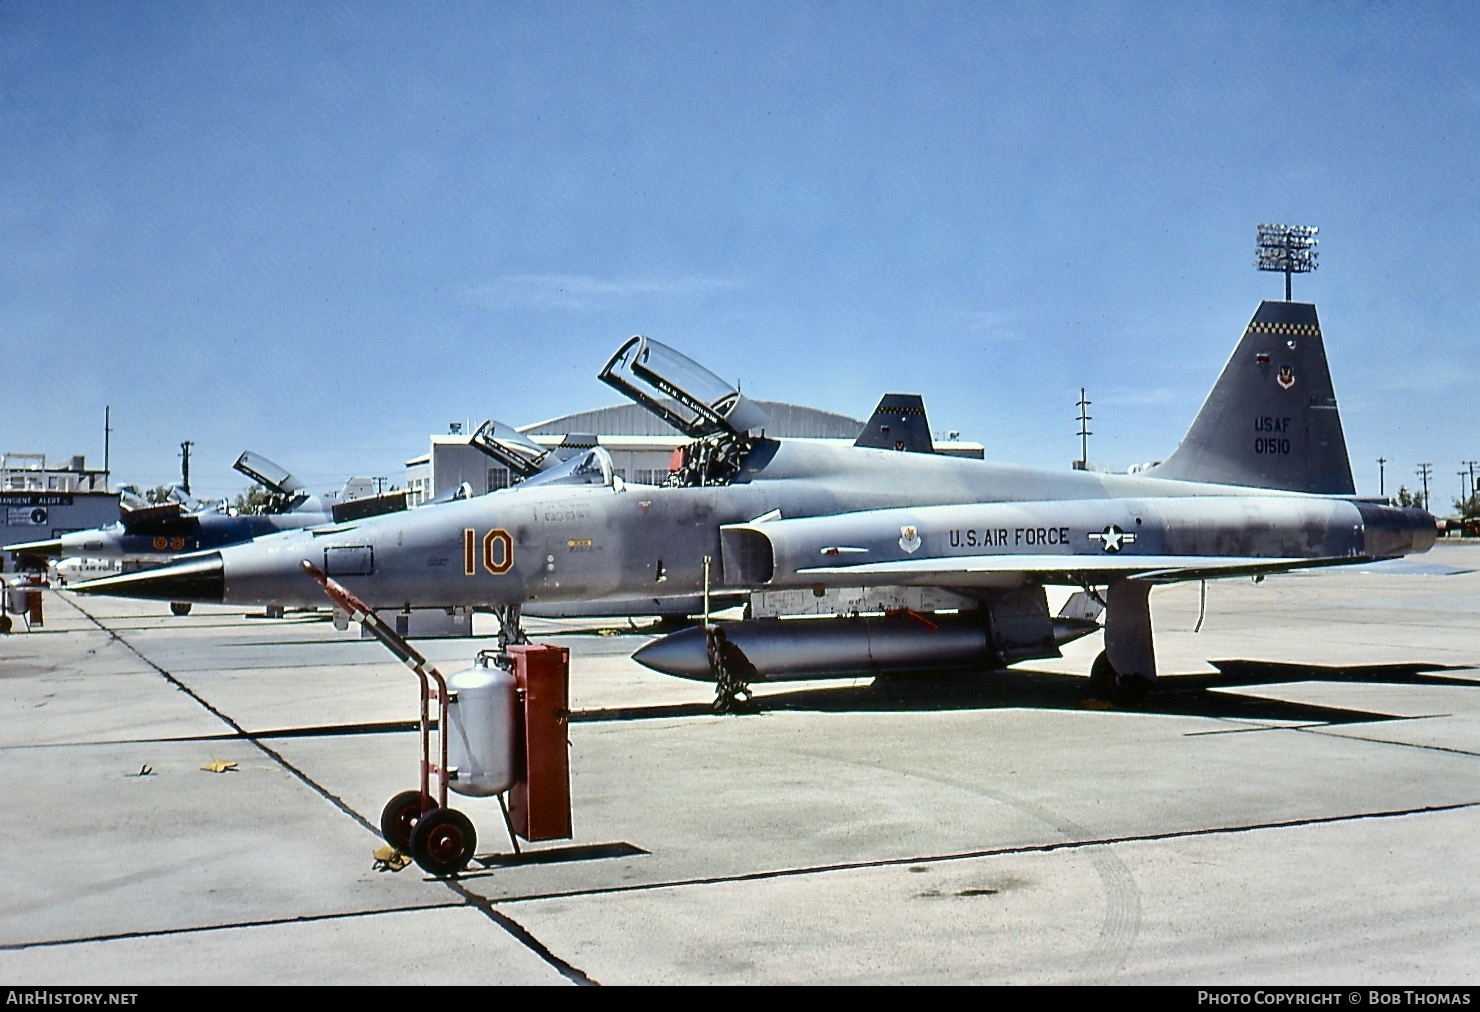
1287,248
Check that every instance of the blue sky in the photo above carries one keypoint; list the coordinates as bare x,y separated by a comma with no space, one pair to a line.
322,231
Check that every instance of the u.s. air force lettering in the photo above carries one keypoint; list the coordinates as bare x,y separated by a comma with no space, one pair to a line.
1003,537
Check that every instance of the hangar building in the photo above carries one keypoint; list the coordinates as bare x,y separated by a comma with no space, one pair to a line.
40,500
640,444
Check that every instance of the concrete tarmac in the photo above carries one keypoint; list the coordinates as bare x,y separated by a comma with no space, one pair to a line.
1297,803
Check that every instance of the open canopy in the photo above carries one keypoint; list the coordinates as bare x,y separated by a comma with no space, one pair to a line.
678,390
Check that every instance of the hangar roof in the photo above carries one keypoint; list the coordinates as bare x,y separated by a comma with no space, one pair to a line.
787,420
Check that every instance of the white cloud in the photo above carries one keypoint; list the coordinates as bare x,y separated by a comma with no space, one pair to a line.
580,291
995,325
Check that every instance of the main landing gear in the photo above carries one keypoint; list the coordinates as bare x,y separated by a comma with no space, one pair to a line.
1125,670
732,671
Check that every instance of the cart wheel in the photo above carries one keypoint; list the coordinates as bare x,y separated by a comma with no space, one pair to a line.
4,624
443,842
399,816
180,607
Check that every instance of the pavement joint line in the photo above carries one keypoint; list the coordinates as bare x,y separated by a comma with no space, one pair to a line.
244,734
198,929
489,906
1329,731
520,933
346,730
510,926
974,855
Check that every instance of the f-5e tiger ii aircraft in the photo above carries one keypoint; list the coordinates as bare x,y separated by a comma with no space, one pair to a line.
158,533
933,563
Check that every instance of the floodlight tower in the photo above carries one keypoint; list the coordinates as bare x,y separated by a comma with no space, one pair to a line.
1287,248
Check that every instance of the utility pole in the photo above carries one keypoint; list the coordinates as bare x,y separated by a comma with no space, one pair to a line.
1424,470
185,465
1083,463
1471,465
1381,485
107,431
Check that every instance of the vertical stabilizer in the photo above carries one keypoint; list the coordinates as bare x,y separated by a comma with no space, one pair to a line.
1271,420
898,423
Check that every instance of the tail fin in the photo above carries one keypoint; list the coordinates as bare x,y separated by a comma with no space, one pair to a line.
1271,420
898,423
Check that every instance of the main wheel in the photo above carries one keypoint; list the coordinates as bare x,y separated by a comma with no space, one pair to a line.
443,842
1112,686
180,607
4,624
1102,678
399,817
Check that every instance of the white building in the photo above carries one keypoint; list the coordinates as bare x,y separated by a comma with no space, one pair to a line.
640,444
40,500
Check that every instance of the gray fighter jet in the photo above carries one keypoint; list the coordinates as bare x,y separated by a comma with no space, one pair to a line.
861,559
152,534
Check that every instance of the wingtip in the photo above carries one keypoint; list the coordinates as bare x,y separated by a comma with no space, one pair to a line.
51,548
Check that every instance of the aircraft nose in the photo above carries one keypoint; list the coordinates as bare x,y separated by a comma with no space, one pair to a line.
201,580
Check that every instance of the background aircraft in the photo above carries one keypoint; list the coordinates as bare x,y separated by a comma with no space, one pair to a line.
923,562
154,533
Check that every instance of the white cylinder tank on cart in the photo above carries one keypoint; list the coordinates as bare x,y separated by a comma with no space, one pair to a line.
483,728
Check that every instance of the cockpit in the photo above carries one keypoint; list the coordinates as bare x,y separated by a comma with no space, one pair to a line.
522,456
725,426
723,422
591,467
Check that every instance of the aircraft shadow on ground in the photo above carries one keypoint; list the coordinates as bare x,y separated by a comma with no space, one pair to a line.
1195,695
1190,695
